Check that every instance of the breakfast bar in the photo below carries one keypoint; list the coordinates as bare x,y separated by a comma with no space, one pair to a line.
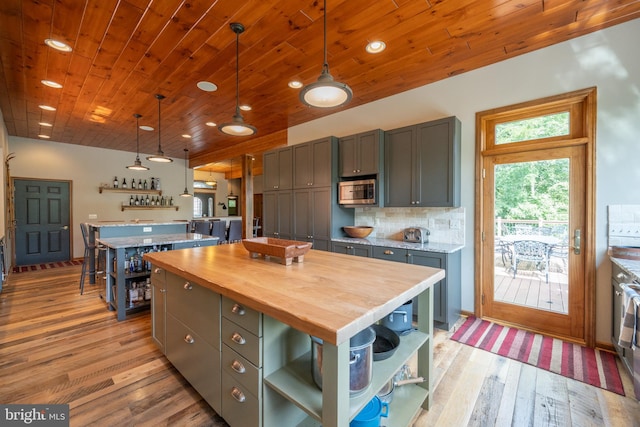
219,309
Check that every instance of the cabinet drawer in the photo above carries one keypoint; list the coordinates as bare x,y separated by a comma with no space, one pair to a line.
390,254
242,371
239,407
242,341
196,306
197,361
246,317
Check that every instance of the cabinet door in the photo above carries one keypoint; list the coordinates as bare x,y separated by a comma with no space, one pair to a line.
312,164
302,215
302,173
277,166
430,259
285,212
368,153
347,155
351,249
312,216
438,157
277,209
158,307
398,163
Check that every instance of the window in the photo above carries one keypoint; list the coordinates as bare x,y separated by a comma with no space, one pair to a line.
197,207
533,128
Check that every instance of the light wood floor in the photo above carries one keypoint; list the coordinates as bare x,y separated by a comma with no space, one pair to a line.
57,346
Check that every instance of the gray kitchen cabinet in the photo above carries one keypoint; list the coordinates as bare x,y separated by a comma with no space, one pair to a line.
278,169
422,165
361,154
277,208
351,249
618,277
447,299
312,163
312,217
193,336
158,307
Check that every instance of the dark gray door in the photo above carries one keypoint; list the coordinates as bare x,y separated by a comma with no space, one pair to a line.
42,221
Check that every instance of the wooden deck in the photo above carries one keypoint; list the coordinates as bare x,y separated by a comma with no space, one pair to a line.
529,288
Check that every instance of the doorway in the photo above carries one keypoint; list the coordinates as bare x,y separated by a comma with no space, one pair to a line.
42,217
535,206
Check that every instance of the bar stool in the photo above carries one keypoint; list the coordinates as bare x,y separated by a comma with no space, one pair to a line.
235,230
218,229
89,251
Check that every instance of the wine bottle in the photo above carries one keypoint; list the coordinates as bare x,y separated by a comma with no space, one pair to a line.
133,184
153,183
115,182
137,201
145,184
124,182
140,184
171,201
131,201
147,201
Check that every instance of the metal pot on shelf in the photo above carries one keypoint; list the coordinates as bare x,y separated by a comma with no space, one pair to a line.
400,319
360,360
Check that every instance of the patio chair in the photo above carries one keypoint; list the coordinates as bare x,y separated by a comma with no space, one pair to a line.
504,249
534,252
560,251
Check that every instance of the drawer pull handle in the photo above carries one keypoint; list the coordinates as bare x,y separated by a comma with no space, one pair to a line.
157,270
189,339
237,366
238,339
388,252
238,309
237,394
187,286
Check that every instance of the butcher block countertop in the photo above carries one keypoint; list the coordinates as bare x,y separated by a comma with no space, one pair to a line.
330,296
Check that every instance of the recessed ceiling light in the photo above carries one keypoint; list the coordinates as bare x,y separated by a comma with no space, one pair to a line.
207,86
45,124
147,128
212,124
375,46
58,45
51,83
186,135
44,136
47,107
295,84
245,107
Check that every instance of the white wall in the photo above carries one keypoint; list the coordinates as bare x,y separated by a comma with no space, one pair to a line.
607,59
87,168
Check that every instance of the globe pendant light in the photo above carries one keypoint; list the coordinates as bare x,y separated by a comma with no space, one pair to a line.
137,165
326,92
237,126
159,156
186,192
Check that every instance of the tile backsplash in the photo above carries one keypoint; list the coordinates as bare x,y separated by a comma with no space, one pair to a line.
446,225
623,225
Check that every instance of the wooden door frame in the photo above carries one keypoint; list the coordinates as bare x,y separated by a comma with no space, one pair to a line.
12,231
585,99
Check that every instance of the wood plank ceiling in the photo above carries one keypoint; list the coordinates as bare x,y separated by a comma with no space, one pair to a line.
126,51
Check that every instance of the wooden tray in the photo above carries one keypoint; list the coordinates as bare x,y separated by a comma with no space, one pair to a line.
286,250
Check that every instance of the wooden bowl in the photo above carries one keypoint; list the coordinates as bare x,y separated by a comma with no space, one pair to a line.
358,231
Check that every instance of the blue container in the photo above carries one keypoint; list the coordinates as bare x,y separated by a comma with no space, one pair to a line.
370,415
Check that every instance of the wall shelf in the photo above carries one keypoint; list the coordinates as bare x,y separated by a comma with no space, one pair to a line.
128,207
129,190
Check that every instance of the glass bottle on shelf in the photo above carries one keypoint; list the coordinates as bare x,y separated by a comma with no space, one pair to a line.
145,184
137,201
140,184
171,201
133,184
115,182
124,182
131,201
147,201
157,183
153,183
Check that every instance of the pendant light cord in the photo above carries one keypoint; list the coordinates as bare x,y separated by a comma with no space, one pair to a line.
237,73
326,62
159,138
137,136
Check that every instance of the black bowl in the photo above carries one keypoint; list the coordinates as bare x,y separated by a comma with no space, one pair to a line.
386,343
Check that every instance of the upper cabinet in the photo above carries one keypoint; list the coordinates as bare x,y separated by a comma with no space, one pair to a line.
312,163
361,154
422,165
278,169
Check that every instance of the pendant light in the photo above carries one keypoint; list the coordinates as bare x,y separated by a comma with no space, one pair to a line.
237,126
159,156
137,165
186,192
326,92
211,181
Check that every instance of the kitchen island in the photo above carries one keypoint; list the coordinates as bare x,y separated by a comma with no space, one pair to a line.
260,315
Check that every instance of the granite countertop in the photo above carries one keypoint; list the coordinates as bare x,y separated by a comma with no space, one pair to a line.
157,239
631,266
427,247
134,223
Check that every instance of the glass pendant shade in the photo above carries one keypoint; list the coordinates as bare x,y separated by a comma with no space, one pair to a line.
326,92
237,126
137,164
211,180
159,156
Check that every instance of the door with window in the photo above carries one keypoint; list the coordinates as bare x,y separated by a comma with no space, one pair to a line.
42,218
535,207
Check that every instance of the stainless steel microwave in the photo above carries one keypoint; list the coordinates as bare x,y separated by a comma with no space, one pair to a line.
357,193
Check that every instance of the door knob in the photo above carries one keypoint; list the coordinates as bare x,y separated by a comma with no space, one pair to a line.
576,241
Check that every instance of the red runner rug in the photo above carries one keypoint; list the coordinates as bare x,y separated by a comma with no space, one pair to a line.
594,367
25,268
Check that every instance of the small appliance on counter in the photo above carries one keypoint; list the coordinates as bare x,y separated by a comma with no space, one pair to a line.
416,235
